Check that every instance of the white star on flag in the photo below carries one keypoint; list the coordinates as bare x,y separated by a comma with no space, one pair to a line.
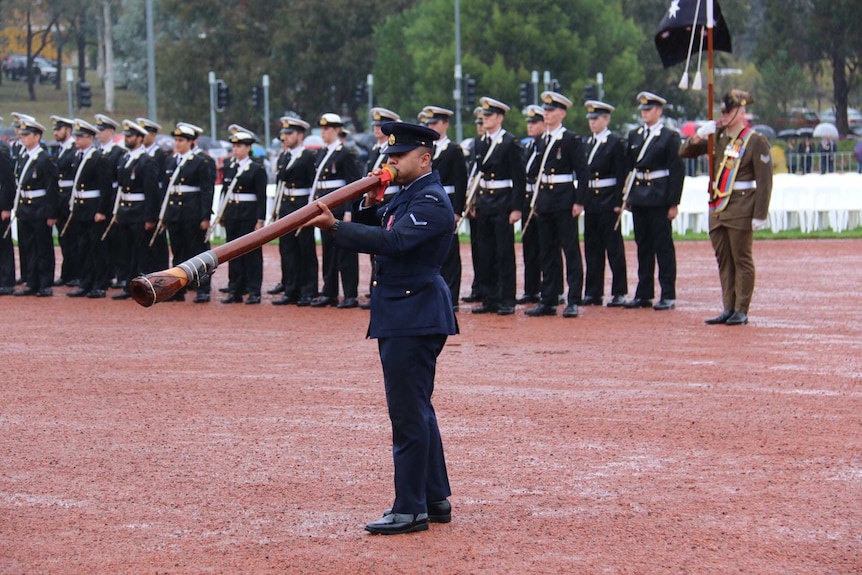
674,8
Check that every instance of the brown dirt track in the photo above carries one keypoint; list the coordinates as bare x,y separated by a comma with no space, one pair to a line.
254,439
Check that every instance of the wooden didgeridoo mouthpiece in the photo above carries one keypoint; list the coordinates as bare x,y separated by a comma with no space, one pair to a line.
159,286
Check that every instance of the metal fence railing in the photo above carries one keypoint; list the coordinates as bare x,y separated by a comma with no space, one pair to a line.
839,162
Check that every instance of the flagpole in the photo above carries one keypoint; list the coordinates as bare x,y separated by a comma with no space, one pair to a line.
710,70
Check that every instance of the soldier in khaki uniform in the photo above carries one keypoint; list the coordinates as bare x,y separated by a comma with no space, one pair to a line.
739,201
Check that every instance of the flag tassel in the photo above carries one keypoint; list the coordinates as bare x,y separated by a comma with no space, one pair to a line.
683,83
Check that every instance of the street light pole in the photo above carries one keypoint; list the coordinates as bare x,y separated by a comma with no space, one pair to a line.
459,129
266,110
370,83
212,81
70,79
151,65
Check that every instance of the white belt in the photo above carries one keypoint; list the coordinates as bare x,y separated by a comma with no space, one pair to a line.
744,185
242,197
132,197
293,192
531,188
449,189
66,183
655,175
86,194
558,179
331,184
185,189
33,194
603,183
495,184
391,190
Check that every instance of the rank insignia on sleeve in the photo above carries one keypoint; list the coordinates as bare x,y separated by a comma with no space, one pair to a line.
765,158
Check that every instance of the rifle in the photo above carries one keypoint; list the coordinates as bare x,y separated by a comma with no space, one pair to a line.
223,203
12,217
279,194
160,225
470,196
159,286
532,207
627,188
113,215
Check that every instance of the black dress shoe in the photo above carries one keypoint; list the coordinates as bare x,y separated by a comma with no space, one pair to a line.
73,283
24,291
397,523
7,290
664,304
59,282
179,296
738,318
224,290
284,300
77,293
119,285
472,298
485,309
252,299
304,302
617,301
121,295
527,299
571,311
202,298
48,292
324,301
506,310
365,305
438,511
279,288
231,298
541,310
348,303
590,300
720,318
637,302
96,293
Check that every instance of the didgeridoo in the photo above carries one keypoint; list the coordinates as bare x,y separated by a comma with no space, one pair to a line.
159,286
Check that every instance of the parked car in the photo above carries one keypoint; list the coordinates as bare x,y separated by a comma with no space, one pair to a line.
854,118
15,68
797,118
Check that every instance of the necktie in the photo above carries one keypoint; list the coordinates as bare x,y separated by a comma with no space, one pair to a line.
593,151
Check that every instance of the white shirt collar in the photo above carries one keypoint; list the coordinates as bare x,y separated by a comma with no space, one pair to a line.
137,152
602,136
297,151
556,133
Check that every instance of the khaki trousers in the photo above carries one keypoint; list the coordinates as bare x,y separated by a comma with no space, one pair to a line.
733,252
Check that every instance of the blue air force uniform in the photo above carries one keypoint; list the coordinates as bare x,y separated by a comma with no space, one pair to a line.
411,316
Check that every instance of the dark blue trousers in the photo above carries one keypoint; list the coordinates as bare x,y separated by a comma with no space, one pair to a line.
409,365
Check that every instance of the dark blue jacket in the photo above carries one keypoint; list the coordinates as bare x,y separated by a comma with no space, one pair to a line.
410,237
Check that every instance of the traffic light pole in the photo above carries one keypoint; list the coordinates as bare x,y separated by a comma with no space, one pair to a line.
70,79
459,128
212,81
370,83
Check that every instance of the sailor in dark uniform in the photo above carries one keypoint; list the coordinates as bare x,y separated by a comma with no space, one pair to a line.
451,165
653,152
159,252
36,181
336,167
244,191
411,317
7,197
535,116
475,289
92,204
113,154
17,152
558,203
137,205
498,205
602,204
189,181
65,159
296,169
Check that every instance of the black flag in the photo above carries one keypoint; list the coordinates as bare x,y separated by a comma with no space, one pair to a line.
674,33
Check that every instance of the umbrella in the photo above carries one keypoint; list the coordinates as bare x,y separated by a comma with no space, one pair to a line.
258,151
765,130
688,129
805,132
826,130
787,134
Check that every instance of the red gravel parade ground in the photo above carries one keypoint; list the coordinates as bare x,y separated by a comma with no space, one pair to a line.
254,439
